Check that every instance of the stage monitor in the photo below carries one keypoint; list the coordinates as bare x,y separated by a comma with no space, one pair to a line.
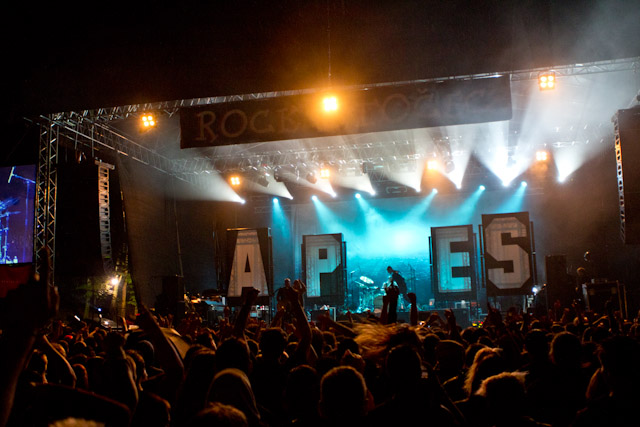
324,266
250,263
454,263
17,194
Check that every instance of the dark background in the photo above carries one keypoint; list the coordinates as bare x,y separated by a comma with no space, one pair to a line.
67,57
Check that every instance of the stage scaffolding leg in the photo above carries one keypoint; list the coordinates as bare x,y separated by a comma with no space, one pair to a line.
46,192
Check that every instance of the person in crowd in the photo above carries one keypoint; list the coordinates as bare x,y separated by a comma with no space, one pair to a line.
577,369
343,397
301,396
301,290
505,399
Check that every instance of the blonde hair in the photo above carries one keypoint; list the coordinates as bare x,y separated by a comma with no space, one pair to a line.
375,340
475,375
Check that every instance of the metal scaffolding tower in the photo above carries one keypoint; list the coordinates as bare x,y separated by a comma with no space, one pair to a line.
46,192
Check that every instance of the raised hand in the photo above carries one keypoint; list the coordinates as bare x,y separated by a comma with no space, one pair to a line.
252,296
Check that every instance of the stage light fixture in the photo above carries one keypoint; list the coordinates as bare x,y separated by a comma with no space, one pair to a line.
330,104
278,175
482,188
449,166
148,121
234,180
434,191
260,179
547,81
523,183
358,196
432,164
542,156
325,173
314,198
276,201
311,177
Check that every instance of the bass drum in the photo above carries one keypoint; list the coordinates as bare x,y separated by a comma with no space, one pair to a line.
377,304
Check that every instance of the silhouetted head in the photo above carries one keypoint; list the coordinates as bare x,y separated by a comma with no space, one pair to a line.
218,414
272,343
488,362
404,367
505,394
566,350
537,344
343,395
233,353
302,392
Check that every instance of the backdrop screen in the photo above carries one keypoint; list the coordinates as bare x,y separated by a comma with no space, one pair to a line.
17,193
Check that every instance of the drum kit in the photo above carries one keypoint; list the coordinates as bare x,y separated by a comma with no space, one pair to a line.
370,294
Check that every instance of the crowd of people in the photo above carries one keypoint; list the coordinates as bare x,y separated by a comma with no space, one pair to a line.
582,369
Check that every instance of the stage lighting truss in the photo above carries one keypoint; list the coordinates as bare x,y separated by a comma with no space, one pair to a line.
355,169
547,80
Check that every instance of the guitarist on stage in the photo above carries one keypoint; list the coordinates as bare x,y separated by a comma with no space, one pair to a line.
396,279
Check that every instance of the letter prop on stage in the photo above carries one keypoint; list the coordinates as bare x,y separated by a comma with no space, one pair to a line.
324,268
454,263
508,253
251,262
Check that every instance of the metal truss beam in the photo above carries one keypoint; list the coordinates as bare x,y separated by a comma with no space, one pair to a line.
46,194
170,108
94,137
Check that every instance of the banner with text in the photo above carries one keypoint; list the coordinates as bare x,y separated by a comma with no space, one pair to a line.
378,109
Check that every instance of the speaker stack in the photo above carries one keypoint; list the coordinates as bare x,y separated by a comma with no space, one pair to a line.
627,139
